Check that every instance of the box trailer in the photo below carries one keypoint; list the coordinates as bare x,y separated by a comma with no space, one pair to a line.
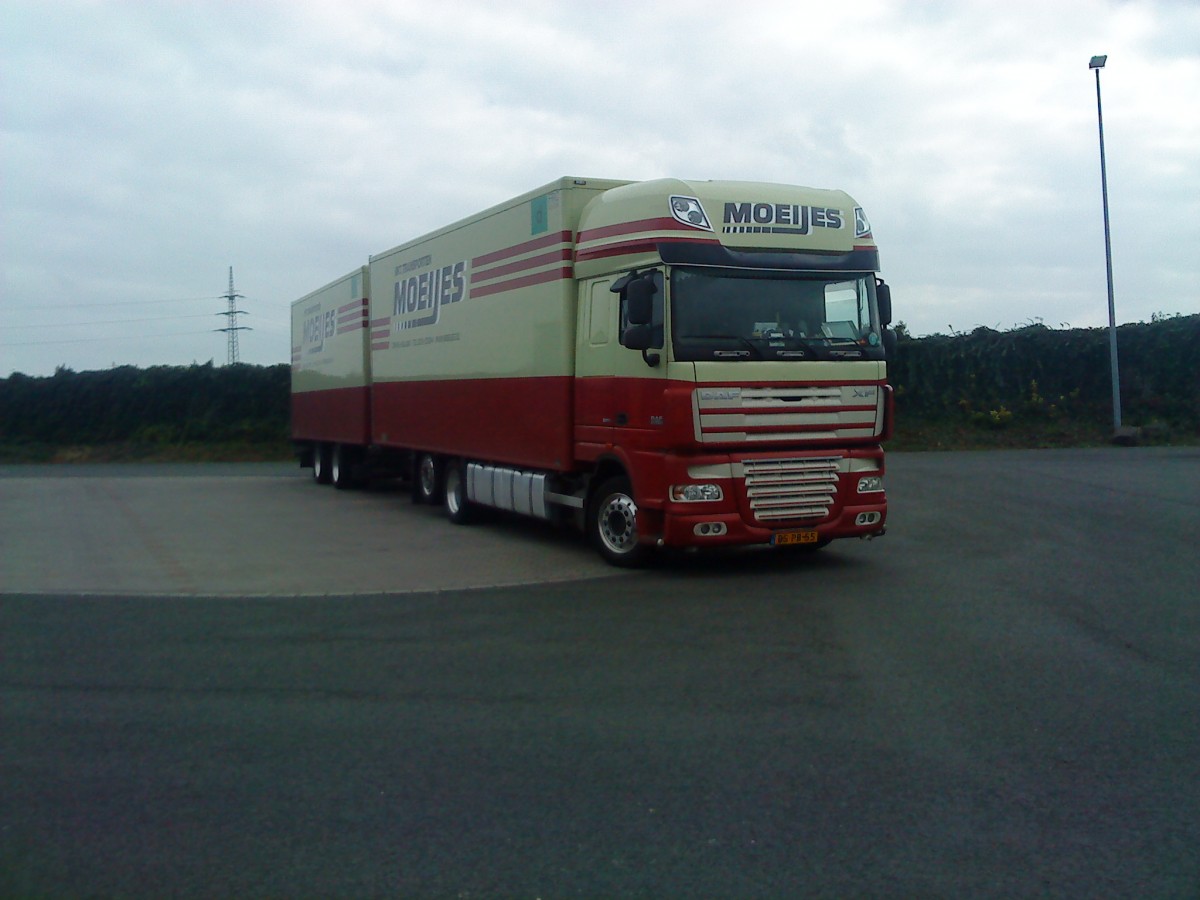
665,363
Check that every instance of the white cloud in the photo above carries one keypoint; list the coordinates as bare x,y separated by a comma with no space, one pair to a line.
148,146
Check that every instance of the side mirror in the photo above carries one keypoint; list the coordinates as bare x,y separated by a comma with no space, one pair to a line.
883,294
890,343
638,337
639,301
642,337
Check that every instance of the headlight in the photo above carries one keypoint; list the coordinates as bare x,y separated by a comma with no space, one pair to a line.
870,484
696,493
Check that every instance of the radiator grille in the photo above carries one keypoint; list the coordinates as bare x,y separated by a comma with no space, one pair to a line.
780,489
798,412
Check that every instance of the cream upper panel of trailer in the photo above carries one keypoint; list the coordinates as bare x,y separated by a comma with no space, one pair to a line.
329,334
491,296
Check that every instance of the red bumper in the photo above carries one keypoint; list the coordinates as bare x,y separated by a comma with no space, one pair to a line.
740,518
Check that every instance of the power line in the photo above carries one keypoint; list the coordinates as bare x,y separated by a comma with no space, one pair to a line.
96,340
128,302
107,321
274,303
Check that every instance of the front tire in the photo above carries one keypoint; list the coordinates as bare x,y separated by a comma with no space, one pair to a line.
612,524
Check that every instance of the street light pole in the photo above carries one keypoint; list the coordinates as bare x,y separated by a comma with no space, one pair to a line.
1097,64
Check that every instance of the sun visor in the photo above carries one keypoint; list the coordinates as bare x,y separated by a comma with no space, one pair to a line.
695,253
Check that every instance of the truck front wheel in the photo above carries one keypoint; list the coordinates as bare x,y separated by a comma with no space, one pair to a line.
612,524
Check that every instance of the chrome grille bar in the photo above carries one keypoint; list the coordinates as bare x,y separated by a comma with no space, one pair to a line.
781,489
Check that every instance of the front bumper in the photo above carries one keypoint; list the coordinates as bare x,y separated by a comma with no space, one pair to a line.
735,520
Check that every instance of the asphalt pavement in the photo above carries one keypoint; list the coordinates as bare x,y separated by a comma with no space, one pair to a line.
998,699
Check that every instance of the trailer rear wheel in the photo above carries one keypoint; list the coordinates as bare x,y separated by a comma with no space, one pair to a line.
341,468
427,480
458,507
612,524
321,464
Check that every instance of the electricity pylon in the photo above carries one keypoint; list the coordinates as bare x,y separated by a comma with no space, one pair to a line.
232,327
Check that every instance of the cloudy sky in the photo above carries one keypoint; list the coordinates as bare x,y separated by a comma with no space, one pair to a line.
149,146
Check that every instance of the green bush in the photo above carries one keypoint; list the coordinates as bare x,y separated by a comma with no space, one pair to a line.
156,406
1019,387
1037,374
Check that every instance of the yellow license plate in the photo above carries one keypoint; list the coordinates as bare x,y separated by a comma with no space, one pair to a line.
786,538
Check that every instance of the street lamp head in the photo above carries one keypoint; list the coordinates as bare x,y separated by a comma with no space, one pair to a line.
1097,62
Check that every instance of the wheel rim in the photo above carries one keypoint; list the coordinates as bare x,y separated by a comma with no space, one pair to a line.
427,475
618,524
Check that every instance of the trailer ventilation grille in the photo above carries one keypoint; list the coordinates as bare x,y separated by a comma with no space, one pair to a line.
784,489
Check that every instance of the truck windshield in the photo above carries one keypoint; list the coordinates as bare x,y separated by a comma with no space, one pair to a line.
726,314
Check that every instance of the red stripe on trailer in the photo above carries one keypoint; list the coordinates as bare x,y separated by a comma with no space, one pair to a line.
527,281
527,247
524,265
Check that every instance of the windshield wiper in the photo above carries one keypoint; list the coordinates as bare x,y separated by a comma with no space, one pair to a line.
745,342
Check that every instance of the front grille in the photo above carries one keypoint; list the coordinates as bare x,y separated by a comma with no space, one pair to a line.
794,413
780,489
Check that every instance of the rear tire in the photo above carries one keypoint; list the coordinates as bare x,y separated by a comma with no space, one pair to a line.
321,464
341,468
428,476
458,508
612,524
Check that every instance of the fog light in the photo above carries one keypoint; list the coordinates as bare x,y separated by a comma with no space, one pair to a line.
709,529
869,484
868,518
696,493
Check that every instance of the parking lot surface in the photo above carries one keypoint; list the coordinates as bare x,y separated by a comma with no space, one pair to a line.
253,686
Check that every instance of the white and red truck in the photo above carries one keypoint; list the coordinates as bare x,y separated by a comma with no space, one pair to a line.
666,363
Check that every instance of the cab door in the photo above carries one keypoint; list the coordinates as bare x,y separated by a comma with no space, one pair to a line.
595,367
611,380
